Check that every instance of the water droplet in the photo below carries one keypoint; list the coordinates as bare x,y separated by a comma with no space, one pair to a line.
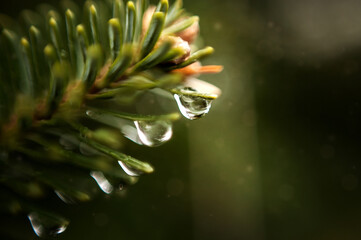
192,107
45,225
69,142
90,113
129,170
65,198
130,132
86,150
154,133
102,182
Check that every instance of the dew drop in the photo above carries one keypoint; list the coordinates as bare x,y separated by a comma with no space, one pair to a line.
102,182
90,113
192,107
45,225
129,170
73,197
154,133
65,198
68,141
86,150
131,133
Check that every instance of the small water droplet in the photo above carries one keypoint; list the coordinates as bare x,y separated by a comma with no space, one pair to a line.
46,225
86,150
129,170
102,182
192,107
65,198
68,141
90,113
154,133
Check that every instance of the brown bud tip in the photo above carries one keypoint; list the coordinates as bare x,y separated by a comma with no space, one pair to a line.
179,43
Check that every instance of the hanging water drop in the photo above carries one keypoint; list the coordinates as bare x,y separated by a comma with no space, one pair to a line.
131,133
45,225
154,133
102,182
129,170
190,105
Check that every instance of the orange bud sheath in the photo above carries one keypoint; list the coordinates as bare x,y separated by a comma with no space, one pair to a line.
195,69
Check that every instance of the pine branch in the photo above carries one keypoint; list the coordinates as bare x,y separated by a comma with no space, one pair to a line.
56,82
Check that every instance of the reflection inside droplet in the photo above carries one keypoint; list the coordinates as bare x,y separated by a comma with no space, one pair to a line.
154,133
192,107
47,226
131,133
102,182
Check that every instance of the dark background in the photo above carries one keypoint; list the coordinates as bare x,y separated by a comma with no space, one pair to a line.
278,156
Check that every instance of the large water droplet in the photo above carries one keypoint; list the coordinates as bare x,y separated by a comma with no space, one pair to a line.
192,107
102,182
46,225
154,133
129,170
131,133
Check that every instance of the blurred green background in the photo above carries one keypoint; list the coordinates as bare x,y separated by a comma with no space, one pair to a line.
277,157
